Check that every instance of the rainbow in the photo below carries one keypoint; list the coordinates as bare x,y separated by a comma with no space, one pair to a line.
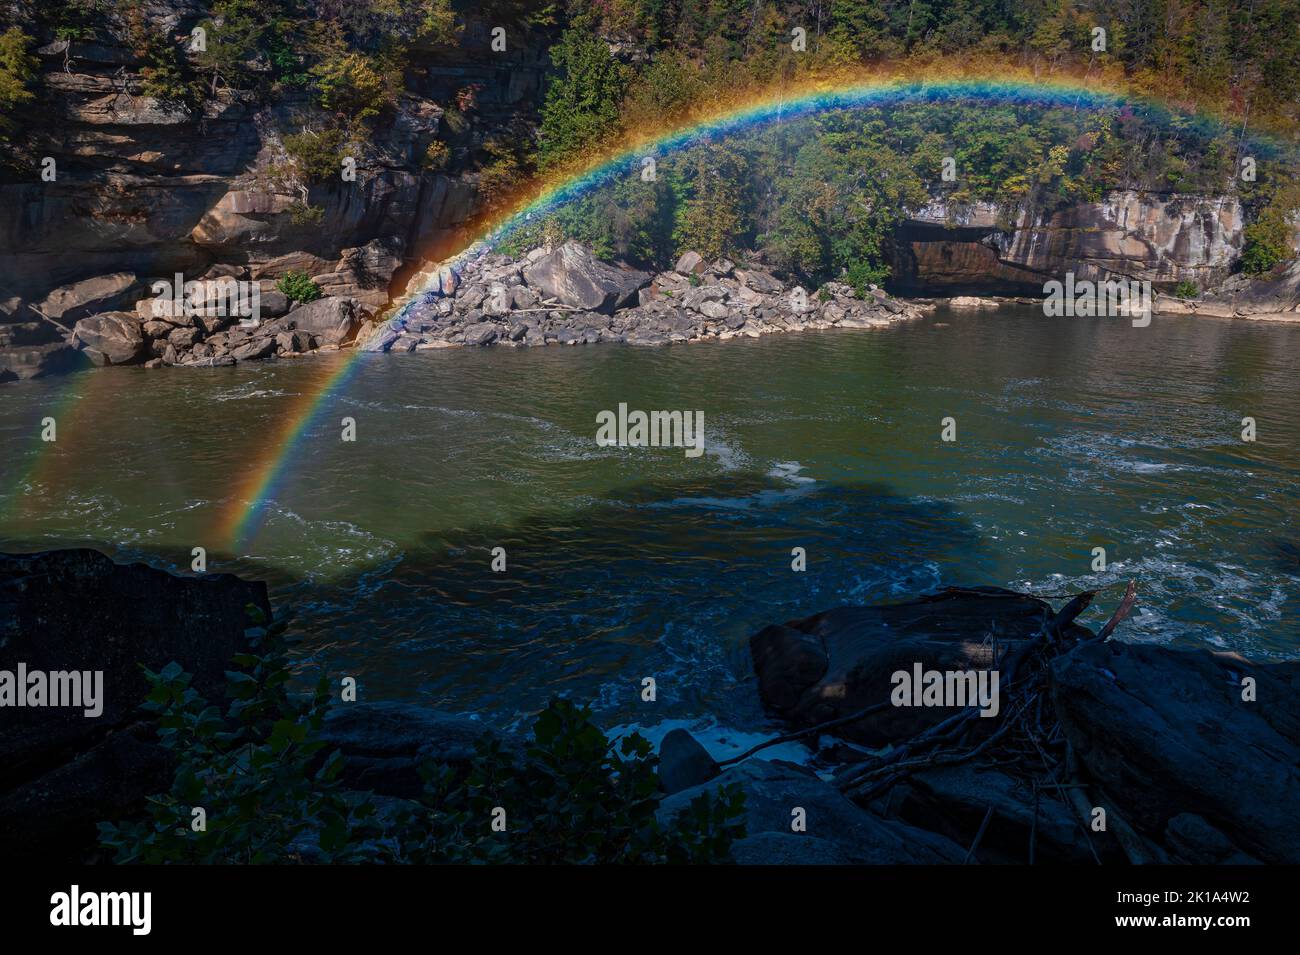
244,508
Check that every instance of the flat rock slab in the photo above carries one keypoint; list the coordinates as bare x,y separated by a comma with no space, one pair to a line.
1166,734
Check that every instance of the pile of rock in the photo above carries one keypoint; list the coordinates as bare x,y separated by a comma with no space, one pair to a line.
1192,754
115,319
566,296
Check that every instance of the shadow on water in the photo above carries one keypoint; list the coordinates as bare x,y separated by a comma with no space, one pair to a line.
662,580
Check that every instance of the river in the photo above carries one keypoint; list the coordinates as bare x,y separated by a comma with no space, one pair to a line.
626,563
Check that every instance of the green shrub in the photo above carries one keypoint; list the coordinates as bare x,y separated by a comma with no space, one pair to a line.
354,85
258,770
436,155
1186,289
316,155
302,213
571,797
862,275
298,286
1268,243
271,792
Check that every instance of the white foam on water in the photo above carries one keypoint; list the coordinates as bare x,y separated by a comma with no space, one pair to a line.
719,741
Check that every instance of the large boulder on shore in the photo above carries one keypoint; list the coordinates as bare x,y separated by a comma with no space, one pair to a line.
1167,735
575,277
331,321
114,338
34,361
103,293
836,663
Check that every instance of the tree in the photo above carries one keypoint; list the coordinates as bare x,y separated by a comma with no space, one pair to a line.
17,67
581,110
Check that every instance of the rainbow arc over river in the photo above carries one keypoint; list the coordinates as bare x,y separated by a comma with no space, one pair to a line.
269,468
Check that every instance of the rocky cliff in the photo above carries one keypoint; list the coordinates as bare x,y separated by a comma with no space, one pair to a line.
1164,239
122,189
142,189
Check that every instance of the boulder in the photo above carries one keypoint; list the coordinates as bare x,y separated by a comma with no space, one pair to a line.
385,742
836,663
1166,733
573,276
716,310
332,321
253,350
272,303
838,830
759,281
683,762
498,301
78,610
33,361
688,263
953,800
183,337
103,293
53,817
117,337
293,342
483,333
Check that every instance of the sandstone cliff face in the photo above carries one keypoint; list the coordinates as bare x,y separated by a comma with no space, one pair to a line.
145,190
1164,239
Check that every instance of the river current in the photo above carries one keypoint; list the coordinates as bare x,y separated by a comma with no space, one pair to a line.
624,563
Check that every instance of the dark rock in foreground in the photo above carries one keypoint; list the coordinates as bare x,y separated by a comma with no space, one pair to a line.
837,831
1169,738
836,663
1187,764
77,610
386,741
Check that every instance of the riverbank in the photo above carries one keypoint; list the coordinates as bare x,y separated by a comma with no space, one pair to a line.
560,296
1096,753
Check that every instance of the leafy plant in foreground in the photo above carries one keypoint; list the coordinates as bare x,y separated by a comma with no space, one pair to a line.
271,791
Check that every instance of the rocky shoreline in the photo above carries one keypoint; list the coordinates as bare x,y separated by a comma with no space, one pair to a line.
560,296
566,296
1182,764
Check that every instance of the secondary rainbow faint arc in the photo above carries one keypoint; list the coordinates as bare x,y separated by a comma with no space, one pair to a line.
248,500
